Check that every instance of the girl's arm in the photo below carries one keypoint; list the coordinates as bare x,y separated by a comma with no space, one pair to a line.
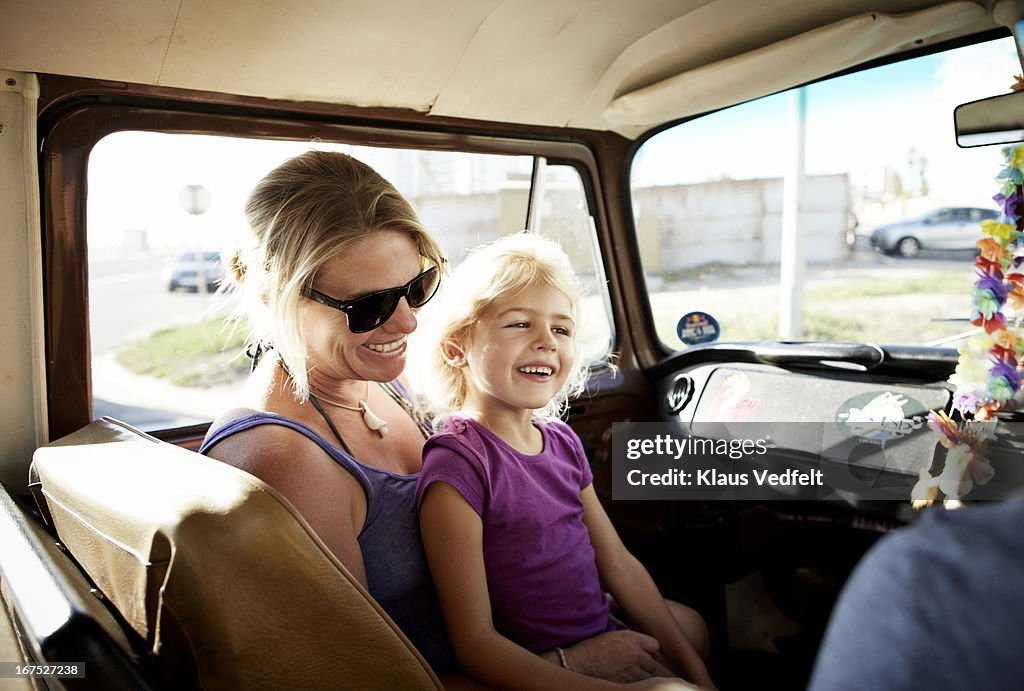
452,537
635,591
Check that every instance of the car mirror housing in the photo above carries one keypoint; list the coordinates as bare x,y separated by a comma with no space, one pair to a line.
995,120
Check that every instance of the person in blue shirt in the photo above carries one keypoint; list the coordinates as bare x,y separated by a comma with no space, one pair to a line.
937,605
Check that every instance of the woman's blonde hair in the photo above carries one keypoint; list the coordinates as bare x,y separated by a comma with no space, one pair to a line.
491,271
302,214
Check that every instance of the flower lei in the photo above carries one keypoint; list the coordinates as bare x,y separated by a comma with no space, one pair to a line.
988,373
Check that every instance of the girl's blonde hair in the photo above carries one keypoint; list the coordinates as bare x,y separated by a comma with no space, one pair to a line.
302,214
491,271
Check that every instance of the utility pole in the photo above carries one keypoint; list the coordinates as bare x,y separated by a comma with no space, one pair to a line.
793,263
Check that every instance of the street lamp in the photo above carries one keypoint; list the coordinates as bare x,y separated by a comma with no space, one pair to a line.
196,201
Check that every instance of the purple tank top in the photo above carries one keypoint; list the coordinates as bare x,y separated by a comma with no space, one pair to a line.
396,567
541,574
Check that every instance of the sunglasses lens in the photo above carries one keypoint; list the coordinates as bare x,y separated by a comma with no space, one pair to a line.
368,313
424,287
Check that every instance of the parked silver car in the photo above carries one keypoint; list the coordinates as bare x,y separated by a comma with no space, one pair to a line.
950,228
181,272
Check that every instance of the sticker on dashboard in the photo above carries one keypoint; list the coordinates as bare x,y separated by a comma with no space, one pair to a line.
698,327
734,403
881,416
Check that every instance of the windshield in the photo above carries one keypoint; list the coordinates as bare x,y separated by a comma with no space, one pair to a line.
809,215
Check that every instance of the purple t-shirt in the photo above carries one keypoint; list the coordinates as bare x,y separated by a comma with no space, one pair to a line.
541,573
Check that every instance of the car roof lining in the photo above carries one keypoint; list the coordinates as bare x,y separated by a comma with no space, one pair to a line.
625,68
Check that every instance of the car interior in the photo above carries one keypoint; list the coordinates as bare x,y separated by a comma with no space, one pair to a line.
649,139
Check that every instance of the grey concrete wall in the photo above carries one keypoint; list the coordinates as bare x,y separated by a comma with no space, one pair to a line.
736,221
679,226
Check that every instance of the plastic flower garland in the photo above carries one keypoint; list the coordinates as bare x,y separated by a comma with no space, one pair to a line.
988,373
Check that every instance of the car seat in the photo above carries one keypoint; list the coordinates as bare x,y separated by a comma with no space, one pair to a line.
225,585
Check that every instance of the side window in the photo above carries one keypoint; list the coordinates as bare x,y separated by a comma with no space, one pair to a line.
161,211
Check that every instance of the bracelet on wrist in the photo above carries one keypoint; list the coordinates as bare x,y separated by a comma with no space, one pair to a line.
563,659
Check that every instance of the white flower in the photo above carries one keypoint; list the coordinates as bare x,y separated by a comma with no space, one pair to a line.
971,374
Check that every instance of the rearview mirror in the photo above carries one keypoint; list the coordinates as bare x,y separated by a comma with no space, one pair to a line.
996,120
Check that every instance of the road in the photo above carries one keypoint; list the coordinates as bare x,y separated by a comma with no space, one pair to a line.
128,300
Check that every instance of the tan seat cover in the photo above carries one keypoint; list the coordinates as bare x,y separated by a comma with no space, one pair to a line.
203,557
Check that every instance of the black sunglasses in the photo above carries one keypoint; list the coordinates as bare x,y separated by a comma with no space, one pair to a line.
370,311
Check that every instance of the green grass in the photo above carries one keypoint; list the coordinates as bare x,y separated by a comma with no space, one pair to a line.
757,326
702,271
201,355
821,326
937,282
896,309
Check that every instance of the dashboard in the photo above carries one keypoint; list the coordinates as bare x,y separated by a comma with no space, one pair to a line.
856,412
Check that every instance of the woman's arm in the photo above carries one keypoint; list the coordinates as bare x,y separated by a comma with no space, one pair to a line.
453,540
635,591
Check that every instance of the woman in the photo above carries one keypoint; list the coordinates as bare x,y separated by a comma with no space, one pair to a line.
338,266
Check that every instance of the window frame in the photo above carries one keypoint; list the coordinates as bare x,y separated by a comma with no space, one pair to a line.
590,198
75,114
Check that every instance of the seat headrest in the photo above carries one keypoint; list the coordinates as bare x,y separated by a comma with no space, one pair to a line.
200,556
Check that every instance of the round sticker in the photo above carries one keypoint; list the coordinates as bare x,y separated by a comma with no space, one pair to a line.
880,416
697,327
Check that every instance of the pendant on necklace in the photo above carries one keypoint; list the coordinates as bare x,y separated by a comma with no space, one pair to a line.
372,421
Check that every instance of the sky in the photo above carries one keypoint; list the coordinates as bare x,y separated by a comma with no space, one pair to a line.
135,179
850,128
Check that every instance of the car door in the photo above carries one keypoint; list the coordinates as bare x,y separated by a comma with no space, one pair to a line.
934,229
955,230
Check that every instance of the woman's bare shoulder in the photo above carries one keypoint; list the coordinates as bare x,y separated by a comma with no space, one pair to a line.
229,416
260,448
283,457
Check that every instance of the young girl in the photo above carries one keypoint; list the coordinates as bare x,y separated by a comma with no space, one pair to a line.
517,542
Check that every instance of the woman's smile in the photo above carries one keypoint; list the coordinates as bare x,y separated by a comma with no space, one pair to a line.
391,349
